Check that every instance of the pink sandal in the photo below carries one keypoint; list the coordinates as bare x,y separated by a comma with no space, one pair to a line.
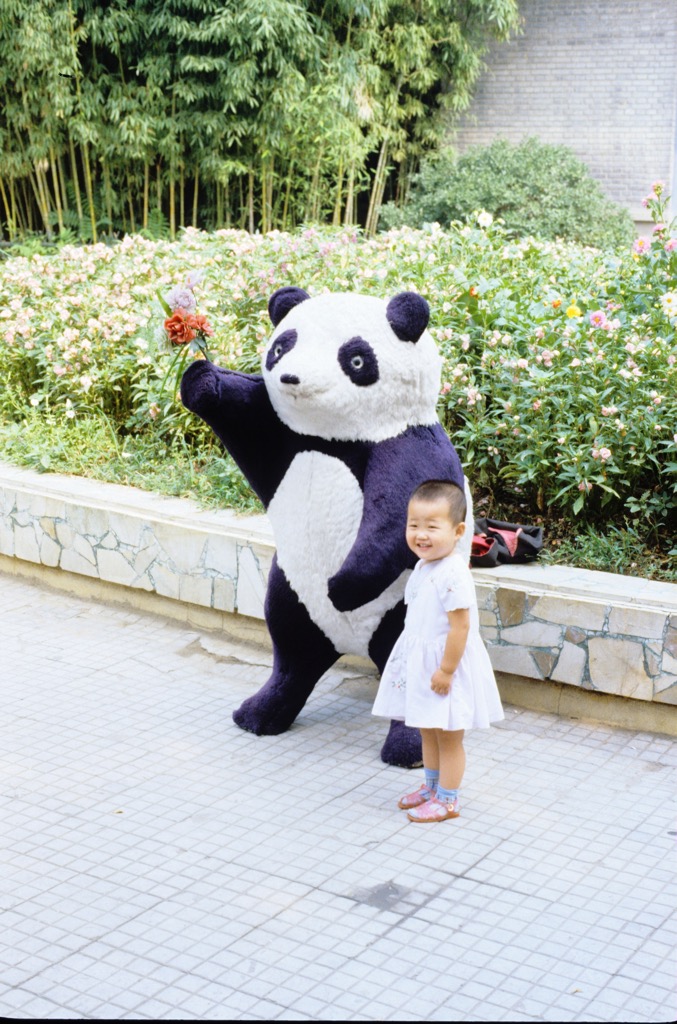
434,810
415,799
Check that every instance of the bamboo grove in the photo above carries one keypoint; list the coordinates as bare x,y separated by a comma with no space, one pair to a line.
258,114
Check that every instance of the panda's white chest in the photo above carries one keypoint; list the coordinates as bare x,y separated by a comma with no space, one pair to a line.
316,514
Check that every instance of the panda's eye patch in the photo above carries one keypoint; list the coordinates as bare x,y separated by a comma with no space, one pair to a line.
282,344
358,361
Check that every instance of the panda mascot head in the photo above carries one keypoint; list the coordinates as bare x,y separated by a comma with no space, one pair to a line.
351,367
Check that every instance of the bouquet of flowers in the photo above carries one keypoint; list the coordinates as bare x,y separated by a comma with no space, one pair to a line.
185,329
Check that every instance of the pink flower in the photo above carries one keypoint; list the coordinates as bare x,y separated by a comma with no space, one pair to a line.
641,245
598,318
601,453
584,486
671,244
537,404
659,228
446,388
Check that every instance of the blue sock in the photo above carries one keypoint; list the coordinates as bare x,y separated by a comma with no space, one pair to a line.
447,795
432,778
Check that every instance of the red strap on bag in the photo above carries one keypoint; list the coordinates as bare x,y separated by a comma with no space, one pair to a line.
510,538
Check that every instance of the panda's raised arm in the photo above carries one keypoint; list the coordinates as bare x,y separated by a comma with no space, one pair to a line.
380,552
237,408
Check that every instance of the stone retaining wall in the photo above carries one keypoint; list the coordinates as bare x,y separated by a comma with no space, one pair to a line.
594,631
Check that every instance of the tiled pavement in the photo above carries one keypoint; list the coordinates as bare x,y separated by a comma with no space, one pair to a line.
158,863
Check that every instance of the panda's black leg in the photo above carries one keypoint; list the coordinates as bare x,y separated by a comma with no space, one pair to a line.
302,654
403,744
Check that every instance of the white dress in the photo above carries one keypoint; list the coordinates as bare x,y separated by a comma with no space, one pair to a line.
433,589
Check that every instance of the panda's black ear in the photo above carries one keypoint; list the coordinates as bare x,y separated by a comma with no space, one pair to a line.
284,299
408,314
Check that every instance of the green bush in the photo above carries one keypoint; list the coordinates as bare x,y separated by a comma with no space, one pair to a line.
534,188
559,385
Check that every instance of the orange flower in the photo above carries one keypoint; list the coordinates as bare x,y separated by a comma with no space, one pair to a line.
199,323
473,292
557,303
179,328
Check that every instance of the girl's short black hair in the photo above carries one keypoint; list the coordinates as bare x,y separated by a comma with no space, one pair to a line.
434,490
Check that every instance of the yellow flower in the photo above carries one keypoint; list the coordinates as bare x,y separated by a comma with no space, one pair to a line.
573,310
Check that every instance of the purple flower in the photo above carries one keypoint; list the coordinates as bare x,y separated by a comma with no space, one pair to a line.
181,297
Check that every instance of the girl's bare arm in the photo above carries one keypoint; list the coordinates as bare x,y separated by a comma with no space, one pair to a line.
459,624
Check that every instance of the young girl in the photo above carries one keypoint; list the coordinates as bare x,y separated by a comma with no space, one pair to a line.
439,677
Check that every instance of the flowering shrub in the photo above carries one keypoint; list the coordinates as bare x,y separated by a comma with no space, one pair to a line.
560,375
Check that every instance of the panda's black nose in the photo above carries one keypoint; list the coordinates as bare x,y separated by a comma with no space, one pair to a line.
289,378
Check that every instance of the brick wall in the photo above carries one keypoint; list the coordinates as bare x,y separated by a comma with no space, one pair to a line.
599,76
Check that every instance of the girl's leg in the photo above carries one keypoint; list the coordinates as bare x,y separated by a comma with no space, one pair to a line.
431,750
451,758
431,759
431,771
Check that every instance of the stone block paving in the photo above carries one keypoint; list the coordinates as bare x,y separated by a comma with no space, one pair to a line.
158,863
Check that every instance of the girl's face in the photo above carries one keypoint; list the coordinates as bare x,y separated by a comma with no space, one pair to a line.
430,532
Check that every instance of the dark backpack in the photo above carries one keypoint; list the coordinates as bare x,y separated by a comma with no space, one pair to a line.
497,543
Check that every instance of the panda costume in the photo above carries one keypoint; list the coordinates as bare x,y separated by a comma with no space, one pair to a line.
333,436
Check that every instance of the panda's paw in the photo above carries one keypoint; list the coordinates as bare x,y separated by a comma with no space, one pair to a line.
262,717
343,594
402,747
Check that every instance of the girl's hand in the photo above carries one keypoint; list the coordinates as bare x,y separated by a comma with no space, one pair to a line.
441,682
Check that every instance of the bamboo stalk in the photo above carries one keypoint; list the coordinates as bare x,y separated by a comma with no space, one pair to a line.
377,190
28,206
57,196
312,205
336,219
182,197
242,208
8,211
146,190
250,203
12,199
348,217
62,180
285,208
158,187
89,187
108,191
36,181
76,182
226,200
271,186
130,199
219,205
195,195
264,196
172,205
172,181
